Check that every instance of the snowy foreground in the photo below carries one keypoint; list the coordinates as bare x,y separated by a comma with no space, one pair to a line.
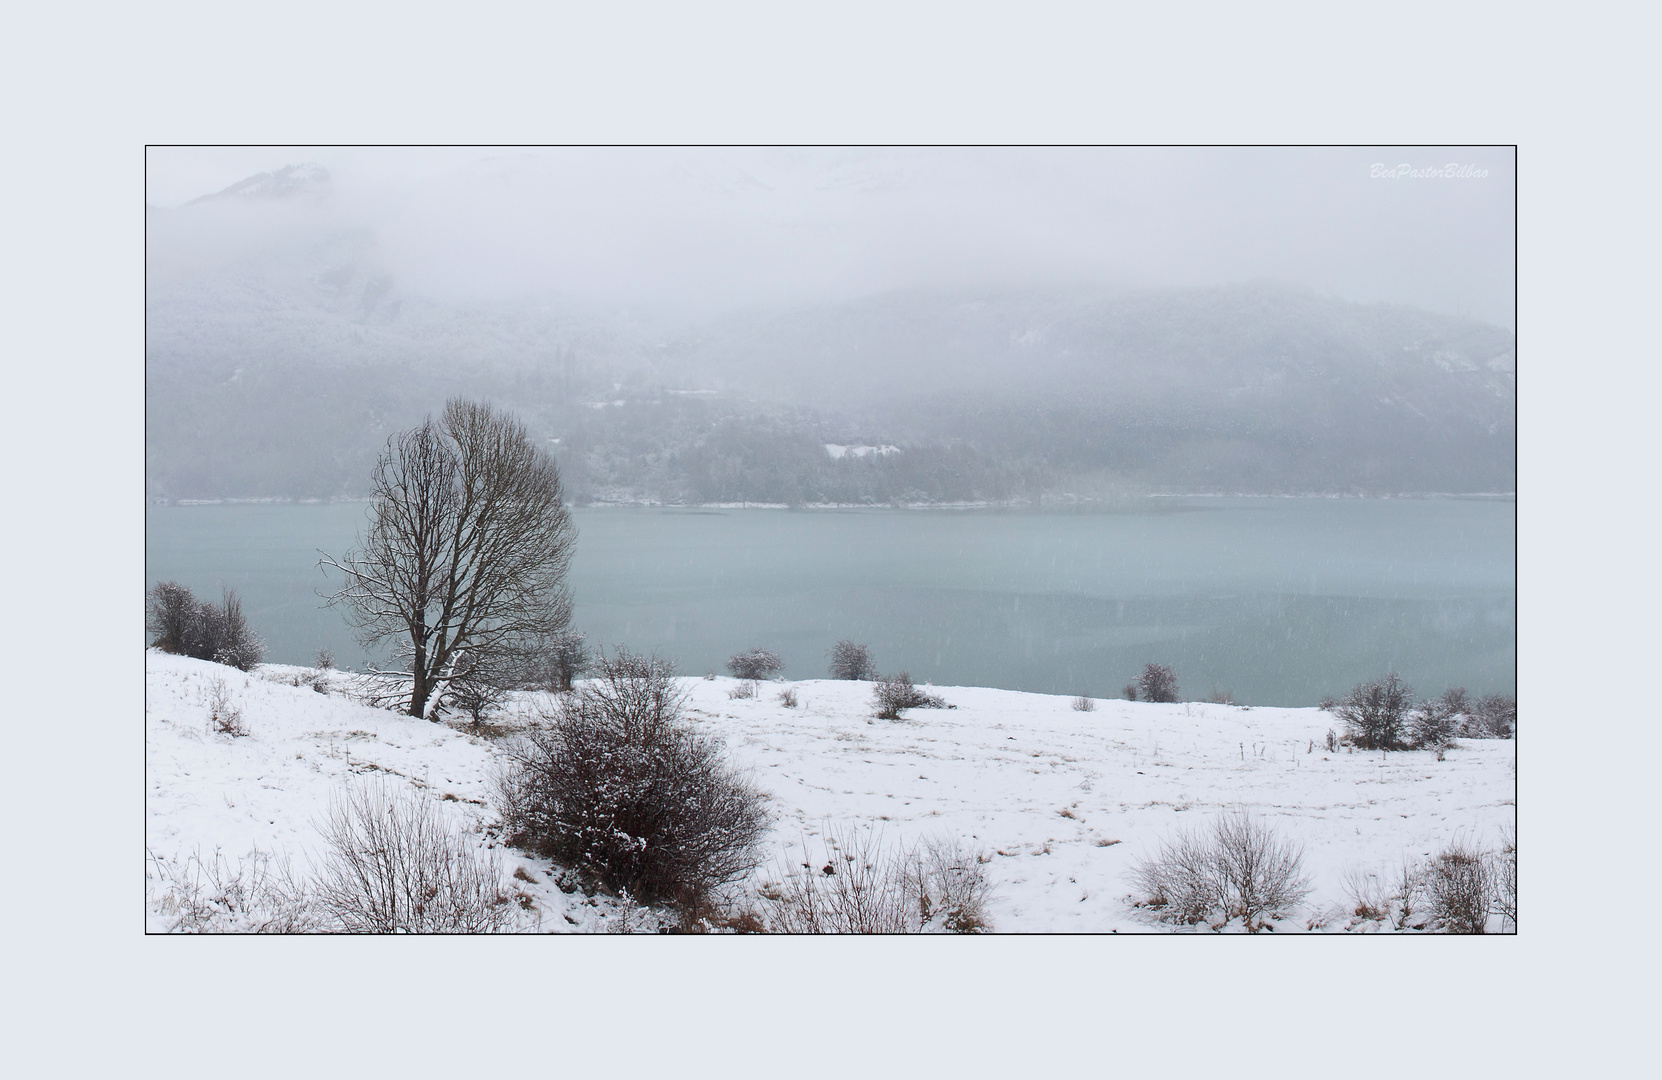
1062,803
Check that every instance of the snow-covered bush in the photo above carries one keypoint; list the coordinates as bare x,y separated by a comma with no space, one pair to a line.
1083,704
851,660
1432,724
620,786
203,631
892,695
857,886
1239,868
1157,683
1493,716
1375,714
396,865
755,664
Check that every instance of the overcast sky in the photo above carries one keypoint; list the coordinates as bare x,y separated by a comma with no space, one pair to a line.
700,231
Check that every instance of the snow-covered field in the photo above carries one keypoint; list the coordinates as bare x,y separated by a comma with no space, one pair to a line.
1062,802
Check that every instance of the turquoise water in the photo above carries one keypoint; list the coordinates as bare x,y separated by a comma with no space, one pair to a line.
1279,601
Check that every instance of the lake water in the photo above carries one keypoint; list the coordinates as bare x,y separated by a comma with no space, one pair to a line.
1279,601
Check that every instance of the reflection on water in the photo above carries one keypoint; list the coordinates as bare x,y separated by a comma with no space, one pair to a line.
1279,601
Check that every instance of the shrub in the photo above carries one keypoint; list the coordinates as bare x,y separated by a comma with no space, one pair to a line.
1241,868
1431,726
755,664
1181,879
259,894
1459,886
619,786
895,694
951,887
225,637
224,717
857,886
742,692
1504,874
324,660
1130,691
1083,704
1374,713
787,697
1157,683
202,631
1410,884
1367,895
169,610
395,865
565,658
1260,873
1494,716
482,683
851,661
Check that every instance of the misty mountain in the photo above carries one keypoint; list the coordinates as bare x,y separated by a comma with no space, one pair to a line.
283,347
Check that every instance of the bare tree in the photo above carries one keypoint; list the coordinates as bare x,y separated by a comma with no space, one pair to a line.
467,549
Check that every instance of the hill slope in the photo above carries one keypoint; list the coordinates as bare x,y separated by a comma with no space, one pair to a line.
1061,803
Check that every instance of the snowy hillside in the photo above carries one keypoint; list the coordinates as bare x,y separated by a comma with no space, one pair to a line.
1061,803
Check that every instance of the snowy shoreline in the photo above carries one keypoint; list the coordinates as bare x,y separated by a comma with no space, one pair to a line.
1061,802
